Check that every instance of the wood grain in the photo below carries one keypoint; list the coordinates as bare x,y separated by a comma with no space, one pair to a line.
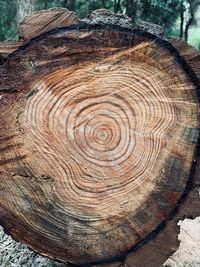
45,20
99,131
6,48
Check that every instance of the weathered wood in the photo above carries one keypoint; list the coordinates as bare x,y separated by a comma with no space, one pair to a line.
189,53
45,20
157,250
36,24
7,47
99,134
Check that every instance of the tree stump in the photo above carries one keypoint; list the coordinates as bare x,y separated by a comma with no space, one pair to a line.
99,144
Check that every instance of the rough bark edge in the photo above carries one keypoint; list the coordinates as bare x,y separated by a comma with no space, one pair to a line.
99,17
150,27
105,17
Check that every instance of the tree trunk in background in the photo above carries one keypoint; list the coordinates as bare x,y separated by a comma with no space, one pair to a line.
182,10
133,9
190,20
104,3
117,6
90,6
25,8
72,5
64,3
129,8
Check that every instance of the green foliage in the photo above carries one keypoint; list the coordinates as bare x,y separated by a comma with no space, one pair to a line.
82,8
8,20
163,13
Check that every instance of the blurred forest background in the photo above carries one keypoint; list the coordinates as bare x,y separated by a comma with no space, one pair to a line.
178,17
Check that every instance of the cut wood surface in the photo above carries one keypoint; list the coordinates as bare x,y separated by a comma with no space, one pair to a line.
98,144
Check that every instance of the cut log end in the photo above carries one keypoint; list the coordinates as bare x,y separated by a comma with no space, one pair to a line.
98,142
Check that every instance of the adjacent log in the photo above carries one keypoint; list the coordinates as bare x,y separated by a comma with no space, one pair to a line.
98,143
189,53
45,20
7,47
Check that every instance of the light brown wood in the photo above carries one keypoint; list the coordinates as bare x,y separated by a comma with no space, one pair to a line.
99,134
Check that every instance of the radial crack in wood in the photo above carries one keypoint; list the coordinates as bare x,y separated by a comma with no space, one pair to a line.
99,132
